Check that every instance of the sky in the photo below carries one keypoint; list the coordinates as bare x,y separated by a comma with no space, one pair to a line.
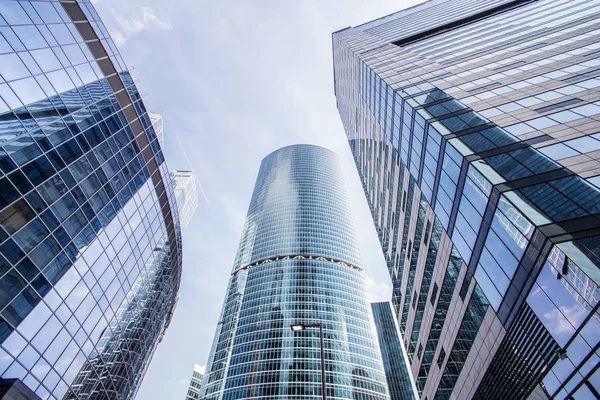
234,82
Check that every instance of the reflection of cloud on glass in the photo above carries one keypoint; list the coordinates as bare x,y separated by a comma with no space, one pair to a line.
561,320
557,324
575,314
536,291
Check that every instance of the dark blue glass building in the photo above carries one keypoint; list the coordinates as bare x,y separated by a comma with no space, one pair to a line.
90,249
474,127
297,263
395,363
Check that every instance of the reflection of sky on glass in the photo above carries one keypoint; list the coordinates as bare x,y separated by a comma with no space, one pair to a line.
558,309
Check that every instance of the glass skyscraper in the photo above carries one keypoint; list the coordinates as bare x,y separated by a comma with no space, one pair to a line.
297,263
395,363
474,127
90,245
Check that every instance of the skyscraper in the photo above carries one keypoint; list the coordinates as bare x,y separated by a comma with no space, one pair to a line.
193,392
186,195
297,263
395,363
474,127
90,247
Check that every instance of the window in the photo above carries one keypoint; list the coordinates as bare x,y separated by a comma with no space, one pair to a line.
434,293
558,151
426,237
441,357
15,216
465,286
558,105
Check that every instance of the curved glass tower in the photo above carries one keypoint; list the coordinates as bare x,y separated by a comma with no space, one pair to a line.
297,263
90,241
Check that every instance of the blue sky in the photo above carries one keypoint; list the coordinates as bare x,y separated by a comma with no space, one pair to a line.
235,81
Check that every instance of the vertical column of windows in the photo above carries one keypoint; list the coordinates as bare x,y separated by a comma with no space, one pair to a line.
472,206
408,198
389,171
398,213
439,318
504,246
414,259
381,102
417,139
430,164
430,263
389,114
467,332
397,137
405,133
451,164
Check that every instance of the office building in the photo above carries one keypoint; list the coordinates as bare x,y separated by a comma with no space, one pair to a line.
186,195
297,263
193,392
474,127
90,248
395,363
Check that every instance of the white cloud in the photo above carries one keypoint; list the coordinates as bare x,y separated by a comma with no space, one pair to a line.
152,21
119,38
130,26
378,289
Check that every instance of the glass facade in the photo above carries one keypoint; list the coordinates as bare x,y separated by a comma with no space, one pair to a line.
90,245
297,263
395,362
474,128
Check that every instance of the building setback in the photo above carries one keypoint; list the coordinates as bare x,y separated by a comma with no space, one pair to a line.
193,392
395,363
474,127
297,263
159,129
186,195
90,246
